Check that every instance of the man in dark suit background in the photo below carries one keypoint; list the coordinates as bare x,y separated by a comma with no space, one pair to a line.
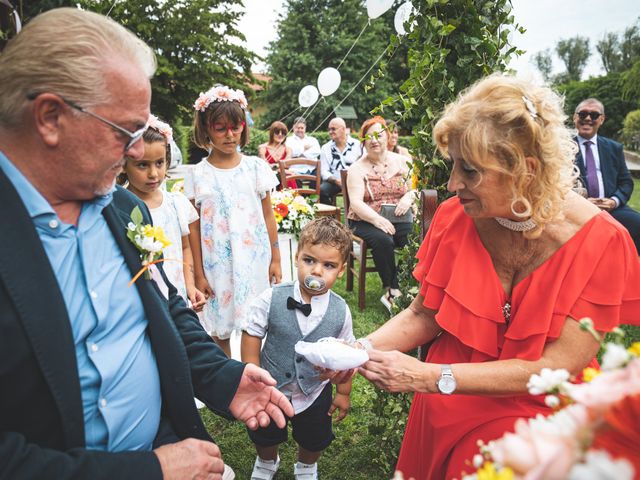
603,170
97,379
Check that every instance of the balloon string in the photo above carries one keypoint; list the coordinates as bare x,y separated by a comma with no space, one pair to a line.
289,114
355,86
354,44
313,107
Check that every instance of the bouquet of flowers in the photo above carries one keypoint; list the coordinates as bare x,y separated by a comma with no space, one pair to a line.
292,211
594,433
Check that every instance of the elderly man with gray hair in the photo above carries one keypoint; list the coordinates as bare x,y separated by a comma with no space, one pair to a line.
97,379
335,155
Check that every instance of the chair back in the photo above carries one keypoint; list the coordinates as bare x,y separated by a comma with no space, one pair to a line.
428,205
346,202
301,179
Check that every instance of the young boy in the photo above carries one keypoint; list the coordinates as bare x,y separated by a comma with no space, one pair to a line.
303,310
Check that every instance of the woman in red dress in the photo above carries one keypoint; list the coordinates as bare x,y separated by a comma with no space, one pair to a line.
509,266
275,149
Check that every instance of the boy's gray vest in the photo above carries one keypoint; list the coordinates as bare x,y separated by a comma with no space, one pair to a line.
278,355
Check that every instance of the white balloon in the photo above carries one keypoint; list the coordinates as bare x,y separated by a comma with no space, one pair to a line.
328,81
375,8
308,96
403,14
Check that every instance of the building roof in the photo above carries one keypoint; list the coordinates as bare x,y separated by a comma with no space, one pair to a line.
346,112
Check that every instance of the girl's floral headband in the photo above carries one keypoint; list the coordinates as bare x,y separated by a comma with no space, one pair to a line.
163,128
220,93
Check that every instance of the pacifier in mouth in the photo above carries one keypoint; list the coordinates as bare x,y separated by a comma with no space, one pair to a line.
315,284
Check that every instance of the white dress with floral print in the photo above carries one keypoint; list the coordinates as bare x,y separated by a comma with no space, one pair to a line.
174,216
236,251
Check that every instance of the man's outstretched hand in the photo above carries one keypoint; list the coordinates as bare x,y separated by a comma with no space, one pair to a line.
257,401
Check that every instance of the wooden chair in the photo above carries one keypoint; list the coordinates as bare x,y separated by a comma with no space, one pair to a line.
305,182
360,252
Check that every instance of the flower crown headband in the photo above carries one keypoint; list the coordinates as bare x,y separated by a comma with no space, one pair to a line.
220,93
162,128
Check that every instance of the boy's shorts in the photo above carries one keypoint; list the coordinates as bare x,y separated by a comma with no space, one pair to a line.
311,428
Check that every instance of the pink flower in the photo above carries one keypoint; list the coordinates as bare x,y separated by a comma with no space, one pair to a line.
608,388
543,448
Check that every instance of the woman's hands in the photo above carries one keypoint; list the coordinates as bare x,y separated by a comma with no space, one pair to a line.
397,372
404,204
385,225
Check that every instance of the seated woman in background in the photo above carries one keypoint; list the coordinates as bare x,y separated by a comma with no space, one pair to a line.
276,150
392,144
508,268
381,200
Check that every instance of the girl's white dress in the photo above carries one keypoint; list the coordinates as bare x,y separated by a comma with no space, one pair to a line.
236,251
174,216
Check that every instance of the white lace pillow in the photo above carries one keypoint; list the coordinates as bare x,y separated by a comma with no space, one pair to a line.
331,353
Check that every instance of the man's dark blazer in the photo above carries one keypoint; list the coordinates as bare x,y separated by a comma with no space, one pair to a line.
615,174
41,415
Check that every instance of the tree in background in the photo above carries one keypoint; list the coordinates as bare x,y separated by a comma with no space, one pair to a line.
574,53
609,50
630,46
544,63
315,34
631,130
196,44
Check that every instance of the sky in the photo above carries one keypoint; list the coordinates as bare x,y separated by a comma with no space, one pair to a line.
546,21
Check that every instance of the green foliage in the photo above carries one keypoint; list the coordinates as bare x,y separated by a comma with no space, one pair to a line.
196,43
631,86
631,130
544,63
608,89
609,50
315,34
574,53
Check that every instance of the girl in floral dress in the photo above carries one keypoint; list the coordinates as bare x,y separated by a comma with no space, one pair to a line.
169,210
235,243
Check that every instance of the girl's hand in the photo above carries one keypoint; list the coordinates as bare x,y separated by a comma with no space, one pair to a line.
404,204
275,272
203,286
197,299
342,403
396,372
385,225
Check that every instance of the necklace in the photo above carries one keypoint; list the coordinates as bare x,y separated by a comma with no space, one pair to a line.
525,226
381,173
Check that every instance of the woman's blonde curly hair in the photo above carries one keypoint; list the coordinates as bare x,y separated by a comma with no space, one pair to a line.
499,122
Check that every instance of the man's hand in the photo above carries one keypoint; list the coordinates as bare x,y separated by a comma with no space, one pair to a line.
190,458
257,402
606,204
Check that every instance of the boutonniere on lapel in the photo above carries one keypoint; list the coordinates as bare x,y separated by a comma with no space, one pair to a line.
149,240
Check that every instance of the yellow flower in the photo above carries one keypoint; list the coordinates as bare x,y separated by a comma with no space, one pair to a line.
278,217
634,349
590,373
156,233
489,472
414,181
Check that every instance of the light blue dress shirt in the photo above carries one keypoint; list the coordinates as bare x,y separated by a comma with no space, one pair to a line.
119,377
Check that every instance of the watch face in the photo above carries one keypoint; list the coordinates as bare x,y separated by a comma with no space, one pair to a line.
447,384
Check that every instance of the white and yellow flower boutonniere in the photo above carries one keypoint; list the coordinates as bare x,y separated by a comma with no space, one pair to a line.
149,240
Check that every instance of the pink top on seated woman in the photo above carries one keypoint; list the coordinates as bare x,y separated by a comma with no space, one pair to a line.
509,266
378,185
275,149
392,144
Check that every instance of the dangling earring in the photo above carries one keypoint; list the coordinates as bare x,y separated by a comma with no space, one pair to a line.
526,213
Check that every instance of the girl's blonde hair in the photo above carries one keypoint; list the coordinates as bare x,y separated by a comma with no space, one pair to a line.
499,122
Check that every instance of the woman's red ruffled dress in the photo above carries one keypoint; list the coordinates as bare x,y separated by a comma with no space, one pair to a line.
594,274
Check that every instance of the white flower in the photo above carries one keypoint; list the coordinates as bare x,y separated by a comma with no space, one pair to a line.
551,401
149,244
478,460
286,224
599,465
293,214
548,381
615,356
131,226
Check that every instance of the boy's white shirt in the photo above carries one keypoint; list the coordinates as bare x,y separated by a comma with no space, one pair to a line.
257,326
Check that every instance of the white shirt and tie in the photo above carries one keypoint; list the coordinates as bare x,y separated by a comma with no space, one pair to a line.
596,157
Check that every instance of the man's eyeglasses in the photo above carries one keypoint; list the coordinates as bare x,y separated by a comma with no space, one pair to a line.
222,128
583,114
133,137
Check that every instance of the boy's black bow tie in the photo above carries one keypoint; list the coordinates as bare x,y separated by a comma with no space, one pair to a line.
305,308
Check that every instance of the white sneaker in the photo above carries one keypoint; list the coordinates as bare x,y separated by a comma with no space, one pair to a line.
264,469
304,471
387,301
228,473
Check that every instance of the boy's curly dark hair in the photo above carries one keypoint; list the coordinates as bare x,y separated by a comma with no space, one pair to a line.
329,231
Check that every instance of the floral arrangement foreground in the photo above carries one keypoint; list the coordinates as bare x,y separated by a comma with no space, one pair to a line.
292,211
594,433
